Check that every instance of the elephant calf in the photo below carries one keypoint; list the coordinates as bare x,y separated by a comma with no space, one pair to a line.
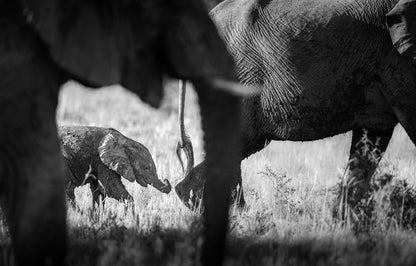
101,156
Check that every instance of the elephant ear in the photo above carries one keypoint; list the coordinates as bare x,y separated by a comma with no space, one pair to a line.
193,46
401,21
78,39
101,43
112,153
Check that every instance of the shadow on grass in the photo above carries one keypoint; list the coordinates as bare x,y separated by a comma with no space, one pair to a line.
368,250
124,246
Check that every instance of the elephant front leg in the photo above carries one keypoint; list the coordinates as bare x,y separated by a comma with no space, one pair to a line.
220,114
367,148
111,185
32,180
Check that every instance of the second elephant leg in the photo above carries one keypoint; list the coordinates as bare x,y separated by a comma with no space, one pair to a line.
97,193
69,190
70,184
366,152
113,186
237,194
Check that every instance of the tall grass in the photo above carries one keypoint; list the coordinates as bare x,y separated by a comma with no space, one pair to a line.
288,189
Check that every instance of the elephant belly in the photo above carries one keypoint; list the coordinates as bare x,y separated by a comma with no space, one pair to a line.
330,97
327,104
313,123
328,77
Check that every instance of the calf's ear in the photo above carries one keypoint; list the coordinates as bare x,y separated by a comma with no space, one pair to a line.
112,153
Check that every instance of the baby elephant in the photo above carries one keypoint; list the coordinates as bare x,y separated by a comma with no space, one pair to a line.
101,156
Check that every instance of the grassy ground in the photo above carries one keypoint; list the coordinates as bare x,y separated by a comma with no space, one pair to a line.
288,188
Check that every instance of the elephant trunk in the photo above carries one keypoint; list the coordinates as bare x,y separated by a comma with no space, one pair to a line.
190,188
189,153
184,142
164,187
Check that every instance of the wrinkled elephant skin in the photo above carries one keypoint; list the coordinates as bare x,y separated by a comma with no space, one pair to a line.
326,67
133,43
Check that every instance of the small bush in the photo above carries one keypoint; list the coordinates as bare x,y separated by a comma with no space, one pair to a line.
285,195
394,203
365,202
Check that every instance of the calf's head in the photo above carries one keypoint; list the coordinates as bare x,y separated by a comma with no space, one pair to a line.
131,160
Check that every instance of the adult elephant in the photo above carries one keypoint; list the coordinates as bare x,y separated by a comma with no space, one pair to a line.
327,67
133,43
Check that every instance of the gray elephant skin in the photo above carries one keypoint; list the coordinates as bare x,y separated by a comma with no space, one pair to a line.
100,157
132,43
326,67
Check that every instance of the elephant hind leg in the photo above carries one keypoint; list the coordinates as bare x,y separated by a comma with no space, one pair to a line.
367,148
368,141
70,193
237,193
97,193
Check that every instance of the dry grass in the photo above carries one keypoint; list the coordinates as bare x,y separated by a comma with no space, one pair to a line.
288,188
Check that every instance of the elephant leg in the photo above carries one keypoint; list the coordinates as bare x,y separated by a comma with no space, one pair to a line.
237,193
32,183
32,180
70,184
220,114
70,193
367,148
97,194
111,181
250,145
33,197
